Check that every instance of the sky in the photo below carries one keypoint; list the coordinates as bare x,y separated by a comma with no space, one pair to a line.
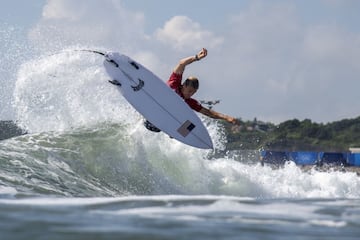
271,60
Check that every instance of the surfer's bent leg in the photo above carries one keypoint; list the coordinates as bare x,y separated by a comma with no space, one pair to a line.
151,127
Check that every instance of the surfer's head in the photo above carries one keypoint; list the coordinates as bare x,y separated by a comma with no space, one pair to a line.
190,86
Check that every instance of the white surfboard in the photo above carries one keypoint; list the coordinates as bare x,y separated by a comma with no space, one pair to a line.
153,99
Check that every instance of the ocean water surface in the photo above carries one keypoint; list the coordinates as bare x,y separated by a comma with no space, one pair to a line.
87,169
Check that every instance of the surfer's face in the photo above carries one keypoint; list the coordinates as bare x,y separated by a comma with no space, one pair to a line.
188,91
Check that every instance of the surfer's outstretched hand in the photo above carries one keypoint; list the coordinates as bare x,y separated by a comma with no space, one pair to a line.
232,120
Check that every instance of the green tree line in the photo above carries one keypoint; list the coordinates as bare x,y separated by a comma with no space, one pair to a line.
294,135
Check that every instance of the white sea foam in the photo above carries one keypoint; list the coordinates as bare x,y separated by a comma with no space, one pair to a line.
7,191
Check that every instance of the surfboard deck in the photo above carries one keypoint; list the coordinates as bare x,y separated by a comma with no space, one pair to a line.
153,99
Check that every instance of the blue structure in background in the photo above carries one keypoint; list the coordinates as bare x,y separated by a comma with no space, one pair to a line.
311,158
333,158
304,158
354,159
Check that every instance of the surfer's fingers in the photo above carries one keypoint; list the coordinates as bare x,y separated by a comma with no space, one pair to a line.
202,53
205,51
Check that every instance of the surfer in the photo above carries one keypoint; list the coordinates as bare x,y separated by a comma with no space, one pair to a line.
187,89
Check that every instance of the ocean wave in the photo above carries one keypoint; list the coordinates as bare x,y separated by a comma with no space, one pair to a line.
102,160
111,159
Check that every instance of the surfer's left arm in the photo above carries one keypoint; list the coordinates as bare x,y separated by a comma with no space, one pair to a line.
217,115
180,68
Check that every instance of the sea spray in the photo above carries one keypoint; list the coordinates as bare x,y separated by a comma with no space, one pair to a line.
64,91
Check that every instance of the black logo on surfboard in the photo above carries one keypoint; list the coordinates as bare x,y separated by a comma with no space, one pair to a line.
139,86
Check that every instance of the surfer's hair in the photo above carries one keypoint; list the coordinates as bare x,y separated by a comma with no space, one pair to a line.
192,81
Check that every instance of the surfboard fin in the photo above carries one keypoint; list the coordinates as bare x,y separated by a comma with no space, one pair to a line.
151,126
115,82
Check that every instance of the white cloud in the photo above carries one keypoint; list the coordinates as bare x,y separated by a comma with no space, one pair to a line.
331,44
60,10
87,22
181,33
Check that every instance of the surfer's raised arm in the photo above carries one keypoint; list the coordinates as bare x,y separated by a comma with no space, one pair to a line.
180,68
190,86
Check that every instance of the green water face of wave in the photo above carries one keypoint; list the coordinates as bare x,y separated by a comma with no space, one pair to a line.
110,159
99,161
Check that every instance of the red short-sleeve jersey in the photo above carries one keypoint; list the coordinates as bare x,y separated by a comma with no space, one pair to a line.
174,83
